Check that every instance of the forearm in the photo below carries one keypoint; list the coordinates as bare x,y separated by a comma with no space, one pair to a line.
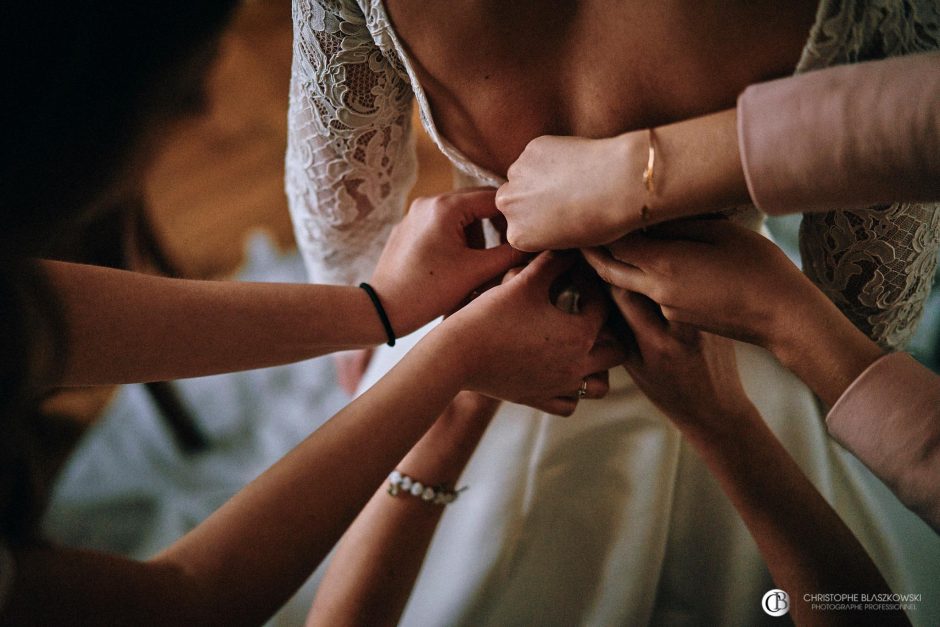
820,345
251,555
125,327
687,184
807,547
371,576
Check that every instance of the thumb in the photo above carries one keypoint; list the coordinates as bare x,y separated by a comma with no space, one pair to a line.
547,267
491,262
477,204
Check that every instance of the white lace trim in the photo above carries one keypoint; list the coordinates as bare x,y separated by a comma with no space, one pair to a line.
876,264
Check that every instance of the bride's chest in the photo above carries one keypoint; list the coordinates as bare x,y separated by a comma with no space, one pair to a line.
496,76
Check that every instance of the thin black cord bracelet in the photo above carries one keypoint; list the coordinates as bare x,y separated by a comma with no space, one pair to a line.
381,311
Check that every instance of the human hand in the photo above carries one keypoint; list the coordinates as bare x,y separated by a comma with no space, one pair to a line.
691,376
428,266
714,275
571,192
513,343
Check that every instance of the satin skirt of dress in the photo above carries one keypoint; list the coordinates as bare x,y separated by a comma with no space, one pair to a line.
609,518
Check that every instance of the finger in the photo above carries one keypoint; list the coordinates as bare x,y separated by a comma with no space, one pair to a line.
496,261
616,272
593,386
511,274
707,229
547,267
644,318
558,406
684,333
605,356
642,251
476,204
623,335
504,192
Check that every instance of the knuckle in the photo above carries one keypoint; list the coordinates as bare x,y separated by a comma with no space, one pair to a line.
665,266
659,292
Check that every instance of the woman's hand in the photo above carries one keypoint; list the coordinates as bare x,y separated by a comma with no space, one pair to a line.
726,279
571,192
712,274
513,343
429,266
691,376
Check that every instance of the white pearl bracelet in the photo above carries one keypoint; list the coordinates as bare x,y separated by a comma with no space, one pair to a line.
399,483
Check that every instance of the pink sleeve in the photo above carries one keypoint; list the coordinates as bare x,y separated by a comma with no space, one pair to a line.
849,136
890,419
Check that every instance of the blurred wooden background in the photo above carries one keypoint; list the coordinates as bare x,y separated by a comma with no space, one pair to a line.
221,176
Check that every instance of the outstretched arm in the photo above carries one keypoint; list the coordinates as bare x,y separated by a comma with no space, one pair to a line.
806,545
849,136
377,562
126,327
249,557
723,278
726,279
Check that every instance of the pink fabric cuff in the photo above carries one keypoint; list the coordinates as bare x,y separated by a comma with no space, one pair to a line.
844,137
890,419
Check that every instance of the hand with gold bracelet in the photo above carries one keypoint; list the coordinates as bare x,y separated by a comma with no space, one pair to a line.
573,192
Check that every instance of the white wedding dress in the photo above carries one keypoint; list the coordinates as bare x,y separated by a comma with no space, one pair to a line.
607,517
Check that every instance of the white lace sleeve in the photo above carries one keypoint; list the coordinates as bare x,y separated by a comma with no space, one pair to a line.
350,152
876,264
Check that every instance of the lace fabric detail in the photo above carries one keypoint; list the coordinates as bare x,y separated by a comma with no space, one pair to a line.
350,158
350,152
876,264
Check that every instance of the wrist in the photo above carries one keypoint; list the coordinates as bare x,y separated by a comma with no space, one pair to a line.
444,352
722,426
623,216
384,312
442,453
689,185
823,348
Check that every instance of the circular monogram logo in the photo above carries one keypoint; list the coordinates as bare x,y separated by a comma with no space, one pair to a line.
776,602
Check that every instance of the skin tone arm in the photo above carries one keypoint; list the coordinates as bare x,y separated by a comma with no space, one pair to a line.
847,136
806,545
377,562
571,192
682,267
243,562
192,328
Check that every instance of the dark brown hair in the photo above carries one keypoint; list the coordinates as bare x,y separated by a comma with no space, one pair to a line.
86,84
